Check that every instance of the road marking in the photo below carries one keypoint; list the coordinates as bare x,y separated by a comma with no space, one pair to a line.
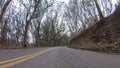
12,62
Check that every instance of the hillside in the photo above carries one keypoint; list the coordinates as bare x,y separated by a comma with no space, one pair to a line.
103,36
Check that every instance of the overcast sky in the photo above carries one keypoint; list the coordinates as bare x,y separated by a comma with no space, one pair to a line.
66,1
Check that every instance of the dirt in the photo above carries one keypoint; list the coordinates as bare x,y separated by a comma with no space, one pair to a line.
104,32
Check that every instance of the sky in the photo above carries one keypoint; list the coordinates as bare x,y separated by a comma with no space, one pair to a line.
114,1
66,1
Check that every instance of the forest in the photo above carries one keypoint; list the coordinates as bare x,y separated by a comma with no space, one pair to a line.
47,23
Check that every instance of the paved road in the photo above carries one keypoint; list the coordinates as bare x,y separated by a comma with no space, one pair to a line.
58,57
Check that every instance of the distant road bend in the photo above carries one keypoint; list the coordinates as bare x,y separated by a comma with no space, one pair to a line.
56,57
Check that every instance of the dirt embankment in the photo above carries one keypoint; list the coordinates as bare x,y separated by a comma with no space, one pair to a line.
103,36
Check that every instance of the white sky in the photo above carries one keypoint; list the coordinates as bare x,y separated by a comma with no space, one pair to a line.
66,1
114,1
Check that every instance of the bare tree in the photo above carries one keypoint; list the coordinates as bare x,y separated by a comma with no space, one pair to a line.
3,9
38,8
82,14
99,10
52,30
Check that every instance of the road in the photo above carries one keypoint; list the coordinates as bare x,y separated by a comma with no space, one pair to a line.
56,57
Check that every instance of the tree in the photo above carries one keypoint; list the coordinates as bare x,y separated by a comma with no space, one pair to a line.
99,10
38,8
3,9
81,14
4,20
52,30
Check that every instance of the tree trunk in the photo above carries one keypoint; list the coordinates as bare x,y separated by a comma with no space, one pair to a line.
37,35
4,9
3,29
4,32
26,33
99,10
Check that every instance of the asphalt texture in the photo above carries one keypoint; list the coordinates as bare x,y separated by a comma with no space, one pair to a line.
62,57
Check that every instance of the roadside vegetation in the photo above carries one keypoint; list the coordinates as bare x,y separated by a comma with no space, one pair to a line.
34,23
82,24
103,36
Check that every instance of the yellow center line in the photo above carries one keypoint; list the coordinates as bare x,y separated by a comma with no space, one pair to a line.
12,62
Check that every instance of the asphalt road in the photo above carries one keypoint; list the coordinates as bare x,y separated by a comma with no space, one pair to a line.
58,57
